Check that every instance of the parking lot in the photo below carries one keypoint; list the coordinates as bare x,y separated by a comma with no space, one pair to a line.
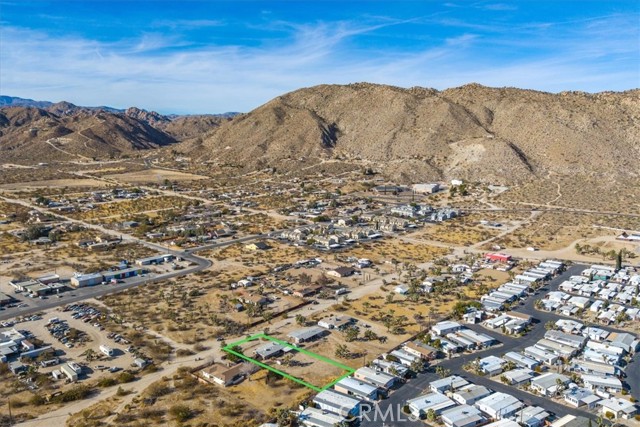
76,332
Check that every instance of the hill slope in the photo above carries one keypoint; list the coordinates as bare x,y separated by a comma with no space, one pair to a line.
64,131
473,132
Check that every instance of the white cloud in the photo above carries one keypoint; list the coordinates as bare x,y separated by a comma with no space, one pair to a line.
498,7
151,73
189,24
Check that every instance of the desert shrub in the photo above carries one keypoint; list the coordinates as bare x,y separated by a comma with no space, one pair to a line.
122,392
107,382
126,377
181,412
158,390
76,393
184,352
37,400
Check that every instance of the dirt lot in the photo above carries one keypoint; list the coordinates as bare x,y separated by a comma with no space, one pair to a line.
553,231
394,249
53,183
124,208
279,253
249,404
157,176
300,365
458,232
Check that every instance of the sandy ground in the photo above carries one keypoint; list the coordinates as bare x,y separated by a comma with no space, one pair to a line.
155,175
19,186
569,252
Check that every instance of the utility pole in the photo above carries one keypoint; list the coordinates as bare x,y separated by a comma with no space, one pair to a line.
10,416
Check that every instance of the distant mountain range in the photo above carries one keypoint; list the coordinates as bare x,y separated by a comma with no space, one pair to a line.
471,132
32,130
14,101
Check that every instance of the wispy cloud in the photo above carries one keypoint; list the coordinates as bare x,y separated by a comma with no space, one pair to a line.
462,40
188,24
168,73
498,7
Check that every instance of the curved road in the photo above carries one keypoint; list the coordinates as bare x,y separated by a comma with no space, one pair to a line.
100,290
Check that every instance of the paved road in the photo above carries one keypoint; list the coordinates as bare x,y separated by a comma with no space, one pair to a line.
100,290
36,306
416,386
81,294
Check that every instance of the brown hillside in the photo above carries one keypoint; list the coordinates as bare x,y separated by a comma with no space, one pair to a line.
472,132
64,131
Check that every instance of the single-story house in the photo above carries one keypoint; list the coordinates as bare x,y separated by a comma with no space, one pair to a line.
225,375
314,417
620,408
470,394
341,272
269,350
338,403
357,388
450,383
547,384
258,246
376,378
499,405
532,416
462,416
307,334
578,397
437,402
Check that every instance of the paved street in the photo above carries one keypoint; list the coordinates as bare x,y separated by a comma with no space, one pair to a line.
416,386
81,294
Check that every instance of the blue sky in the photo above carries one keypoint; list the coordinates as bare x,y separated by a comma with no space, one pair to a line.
216,56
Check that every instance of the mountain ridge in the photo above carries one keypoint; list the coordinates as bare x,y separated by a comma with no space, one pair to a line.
16,101
406,134
472,131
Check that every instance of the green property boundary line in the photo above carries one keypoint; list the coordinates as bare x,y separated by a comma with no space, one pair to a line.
229,349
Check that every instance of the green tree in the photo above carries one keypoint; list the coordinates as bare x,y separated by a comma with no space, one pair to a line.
232,357
351,334
417,365
284,417
389,298
369,335
550,325
442,372
619,260
342,351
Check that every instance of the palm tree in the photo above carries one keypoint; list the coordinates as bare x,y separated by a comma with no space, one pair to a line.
550,325
560,386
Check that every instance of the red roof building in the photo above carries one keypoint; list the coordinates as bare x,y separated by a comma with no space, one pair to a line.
497,257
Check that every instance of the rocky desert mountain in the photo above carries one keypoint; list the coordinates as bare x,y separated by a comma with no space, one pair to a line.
498,135
64,131
472,132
